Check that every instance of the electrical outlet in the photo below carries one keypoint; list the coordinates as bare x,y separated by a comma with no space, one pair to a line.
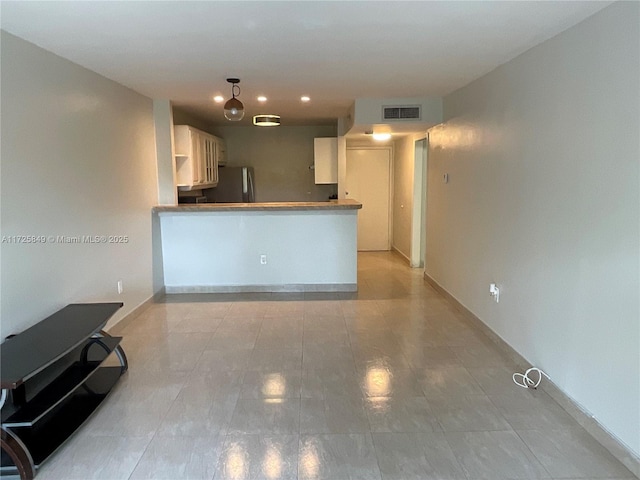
494,291
119,286
263,259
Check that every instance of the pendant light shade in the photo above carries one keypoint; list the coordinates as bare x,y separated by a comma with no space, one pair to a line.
233,109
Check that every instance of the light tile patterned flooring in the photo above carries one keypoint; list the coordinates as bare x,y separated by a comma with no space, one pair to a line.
390,383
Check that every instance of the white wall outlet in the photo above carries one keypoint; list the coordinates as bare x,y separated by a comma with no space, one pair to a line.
119,286
263,259
494,291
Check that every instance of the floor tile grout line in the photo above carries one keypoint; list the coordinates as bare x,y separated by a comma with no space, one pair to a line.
155,433
532,452
456,457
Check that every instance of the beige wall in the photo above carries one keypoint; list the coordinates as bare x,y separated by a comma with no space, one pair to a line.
543,198
403,166
78,158
281,157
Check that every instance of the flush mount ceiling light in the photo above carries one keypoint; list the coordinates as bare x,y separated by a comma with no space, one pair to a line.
266,120
218,99
305,99
381,137
233,109
262,98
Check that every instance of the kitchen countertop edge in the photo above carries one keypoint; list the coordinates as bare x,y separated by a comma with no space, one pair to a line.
346,204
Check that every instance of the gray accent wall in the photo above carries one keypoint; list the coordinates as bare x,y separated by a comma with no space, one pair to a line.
543,159
180,117
78,159
281,157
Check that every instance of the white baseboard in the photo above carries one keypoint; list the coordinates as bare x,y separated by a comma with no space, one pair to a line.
136,312
399,252
294,287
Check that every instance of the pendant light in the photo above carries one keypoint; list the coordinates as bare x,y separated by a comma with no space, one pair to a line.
233,109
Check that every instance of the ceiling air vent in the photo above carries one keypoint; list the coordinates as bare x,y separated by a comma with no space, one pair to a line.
406,112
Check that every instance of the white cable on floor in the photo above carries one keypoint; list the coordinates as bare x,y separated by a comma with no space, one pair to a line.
523,380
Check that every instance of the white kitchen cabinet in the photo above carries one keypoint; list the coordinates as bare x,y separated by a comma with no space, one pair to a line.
325,160
197,157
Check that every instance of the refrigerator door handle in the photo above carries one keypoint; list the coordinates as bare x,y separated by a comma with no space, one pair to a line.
245,175
252,195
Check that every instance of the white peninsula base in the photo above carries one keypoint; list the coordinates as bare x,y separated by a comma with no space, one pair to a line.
260,247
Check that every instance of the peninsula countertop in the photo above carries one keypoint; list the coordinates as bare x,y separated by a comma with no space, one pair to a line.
345,204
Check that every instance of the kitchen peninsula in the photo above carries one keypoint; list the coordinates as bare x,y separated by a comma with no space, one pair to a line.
260,247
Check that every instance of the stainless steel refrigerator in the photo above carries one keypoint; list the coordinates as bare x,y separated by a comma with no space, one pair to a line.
235,185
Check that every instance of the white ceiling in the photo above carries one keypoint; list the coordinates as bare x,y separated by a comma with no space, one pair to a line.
333,51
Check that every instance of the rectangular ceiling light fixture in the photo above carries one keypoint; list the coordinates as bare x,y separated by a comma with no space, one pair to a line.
266,120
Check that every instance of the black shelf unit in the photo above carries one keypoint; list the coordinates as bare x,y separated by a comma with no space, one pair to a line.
54,382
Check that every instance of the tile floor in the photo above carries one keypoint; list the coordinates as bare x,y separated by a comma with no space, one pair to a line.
389,383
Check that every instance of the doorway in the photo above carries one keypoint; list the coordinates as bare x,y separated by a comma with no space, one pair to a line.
368,180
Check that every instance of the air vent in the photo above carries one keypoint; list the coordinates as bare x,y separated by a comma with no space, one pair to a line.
406,112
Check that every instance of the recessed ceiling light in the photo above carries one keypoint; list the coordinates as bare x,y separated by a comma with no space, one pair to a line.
381,136
218,99
262,98
304,98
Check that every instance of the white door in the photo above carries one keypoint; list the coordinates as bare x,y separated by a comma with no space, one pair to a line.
368,181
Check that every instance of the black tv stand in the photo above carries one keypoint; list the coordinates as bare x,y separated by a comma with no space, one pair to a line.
52,380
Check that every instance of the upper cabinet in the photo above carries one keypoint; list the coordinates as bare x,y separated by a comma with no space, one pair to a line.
325,160
198,155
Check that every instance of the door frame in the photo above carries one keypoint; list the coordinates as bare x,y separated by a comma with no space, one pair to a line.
419,205
389,149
